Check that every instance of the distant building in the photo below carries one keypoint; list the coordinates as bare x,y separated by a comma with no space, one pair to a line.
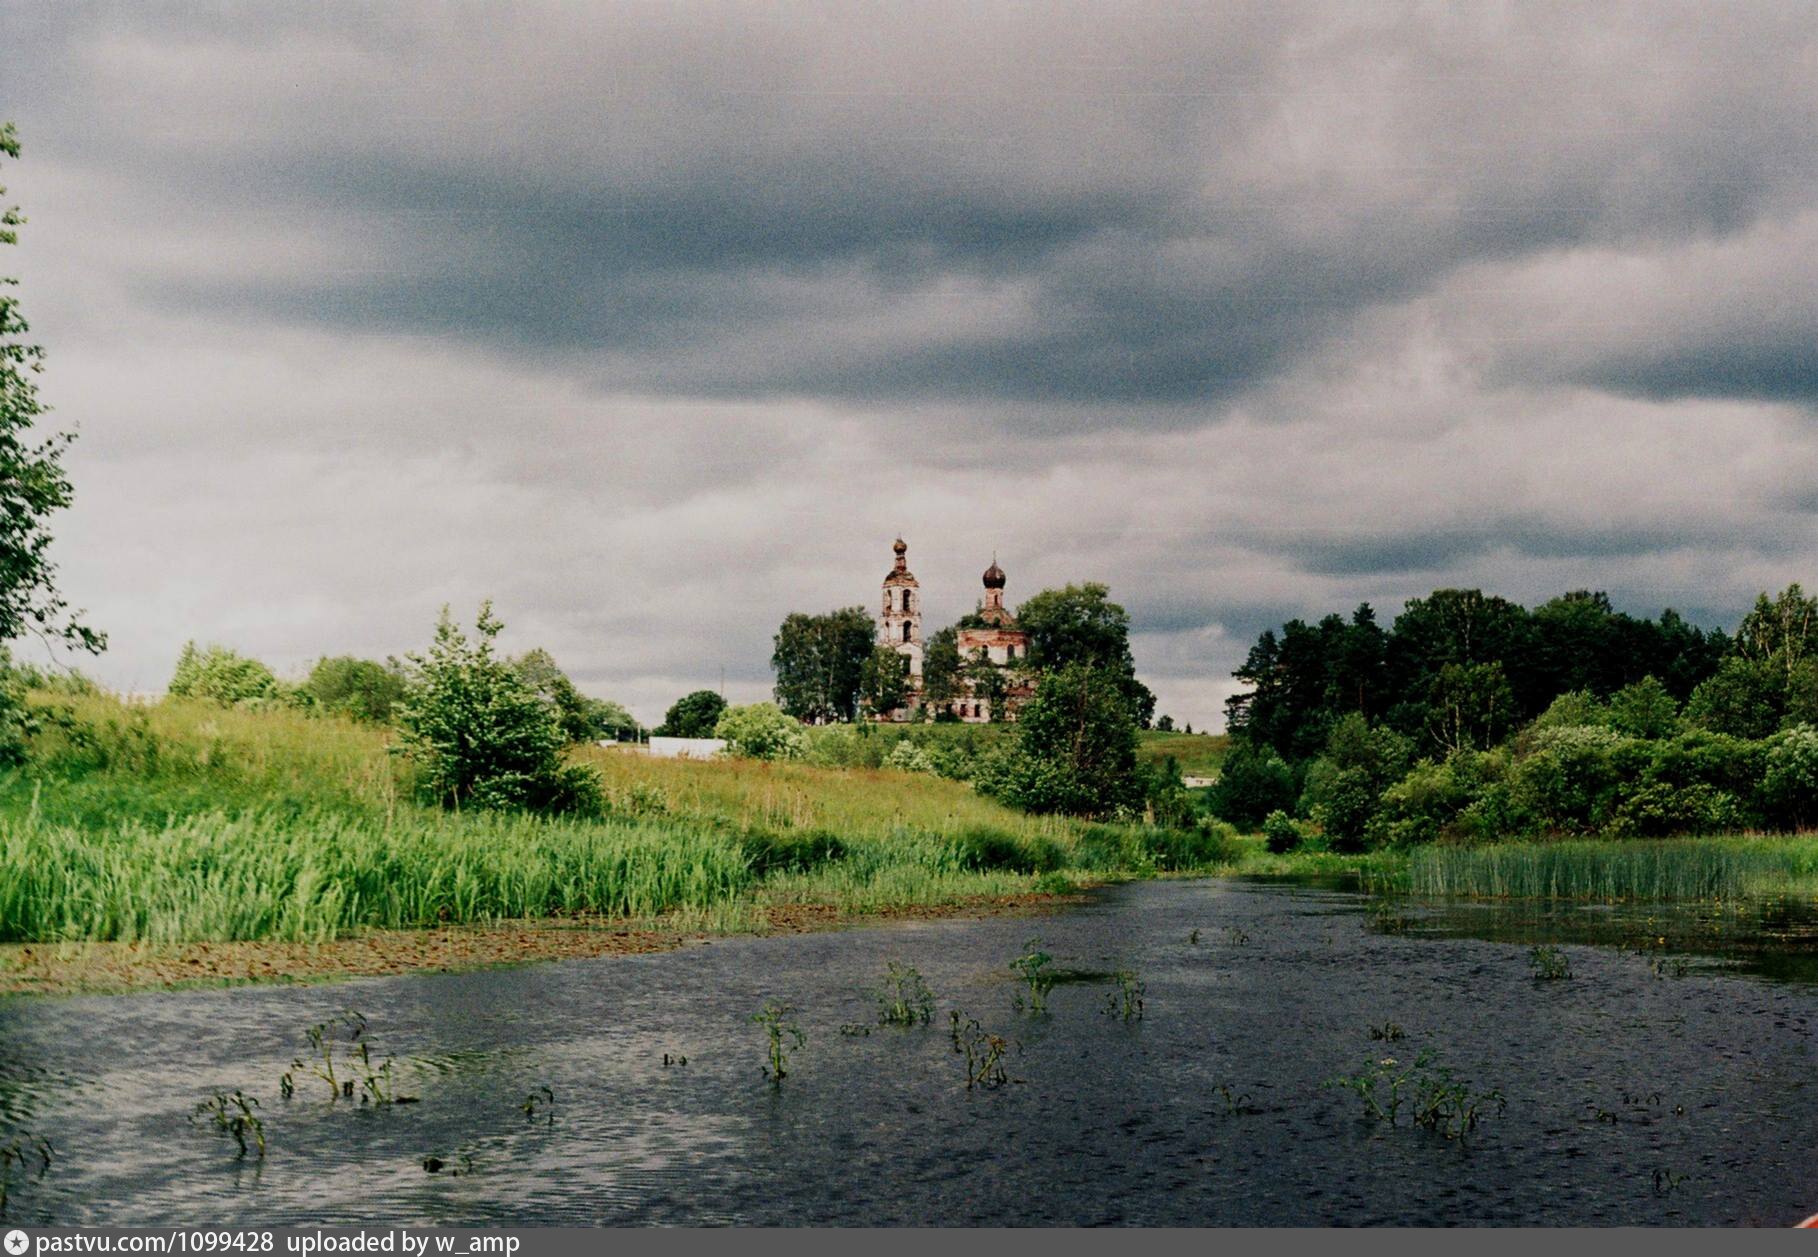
990,633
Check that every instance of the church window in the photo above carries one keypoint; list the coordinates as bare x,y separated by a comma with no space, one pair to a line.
905,631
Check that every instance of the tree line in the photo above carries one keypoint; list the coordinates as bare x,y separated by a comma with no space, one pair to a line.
1472,716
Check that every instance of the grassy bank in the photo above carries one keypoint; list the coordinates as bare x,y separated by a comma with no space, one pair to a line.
186,822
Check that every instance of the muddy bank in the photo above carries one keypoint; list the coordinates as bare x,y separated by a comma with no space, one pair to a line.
100,968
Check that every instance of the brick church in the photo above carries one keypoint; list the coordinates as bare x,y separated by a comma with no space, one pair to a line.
991,629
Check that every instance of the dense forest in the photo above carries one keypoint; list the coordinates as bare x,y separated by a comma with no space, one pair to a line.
1473,717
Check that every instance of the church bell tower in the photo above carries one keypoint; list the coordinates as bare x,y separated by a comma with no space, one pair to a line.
899,625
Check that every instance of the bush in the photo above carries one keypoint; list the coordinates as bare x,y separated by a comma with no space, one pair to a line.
907,757
1789,786
1179,849
762,731
1253,782
1280,833
1427,804
480,736
353,687
1569,782
222,676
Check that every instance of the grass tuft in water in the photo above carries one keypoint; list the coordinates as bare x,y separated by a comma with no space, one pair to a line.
233,1115
1126,1001
1548,963
903,998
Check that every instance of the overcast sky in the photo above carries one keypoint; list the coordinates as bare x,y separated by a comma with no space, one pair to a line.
654,322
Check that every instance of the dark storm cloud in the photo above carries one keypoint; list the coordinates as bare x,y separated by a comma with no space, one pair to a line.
1168,206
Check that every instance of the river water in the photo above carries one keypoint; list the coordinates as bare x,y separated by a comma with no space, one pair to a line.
1670,1079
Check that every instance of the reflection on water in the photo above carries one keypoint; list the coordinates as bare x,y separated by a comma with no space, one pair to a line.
1777,939
1639,1092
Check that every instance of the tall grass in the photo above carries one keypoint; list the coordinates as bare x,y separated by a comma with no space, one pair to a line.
1681,869
190,822
313,877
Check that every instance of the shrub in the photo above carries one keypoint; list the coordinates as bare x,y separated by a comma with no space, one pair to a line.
1427,804
1789,786
355,687
762,731
480,736
222,676
1183,848
1569,782
1165,793
907,757
1253,782
1280,832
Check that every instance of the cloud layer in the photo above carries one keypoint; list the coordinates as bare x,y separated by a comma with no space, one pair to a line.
655,323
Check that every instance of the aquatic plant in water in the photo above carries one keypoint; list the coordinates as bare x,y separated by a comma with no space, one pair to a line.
984,1053
1433,1097
783,1037
1036,968
542,1101
1549,964
372,1085
903,998
1126,1001
1388,1032
233,1115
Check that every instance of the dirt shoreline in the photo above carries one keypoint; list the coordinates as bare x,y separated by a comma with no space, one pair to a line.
53,969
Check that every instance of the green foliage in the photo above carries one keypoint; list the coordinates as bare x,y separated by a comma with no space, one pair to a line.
1075,751
1035,969
1644,710
762,731
819,662
1469,707
1745,698
693,715
907,757
479,736
223,676
903,997
1789,786
941,669
580,717
1280,833
1080,626
353,687
884,680
782,1038
1253,782
33,483
1165,794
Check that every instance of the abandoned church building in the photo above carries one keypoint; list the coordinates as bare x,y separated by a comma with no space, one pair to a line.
989,634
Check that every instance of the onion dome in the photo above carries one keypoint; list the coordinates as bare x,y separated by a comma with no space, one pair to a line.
901,547
994,575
